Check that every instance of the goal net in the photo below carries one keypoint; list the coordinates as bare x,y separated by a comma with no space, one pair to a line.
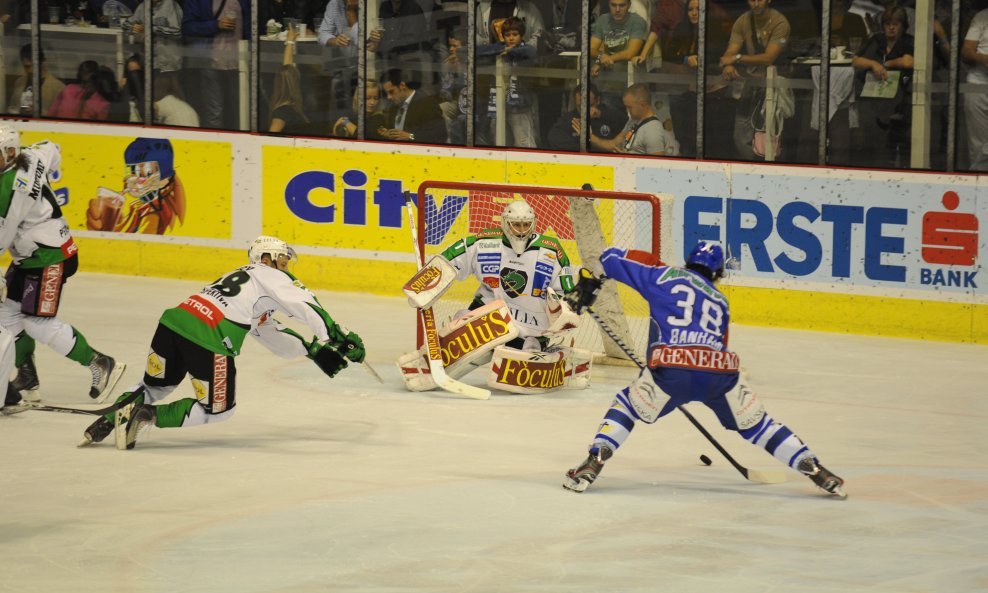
585,221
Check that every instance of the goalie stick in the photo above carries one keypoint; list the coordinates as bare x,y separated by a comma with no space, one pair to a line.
436,369
753,475
87,411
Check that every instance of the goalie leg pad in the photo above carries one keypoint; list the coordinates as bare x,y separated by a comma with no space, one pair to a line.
525,372
466,342
429,283
647,398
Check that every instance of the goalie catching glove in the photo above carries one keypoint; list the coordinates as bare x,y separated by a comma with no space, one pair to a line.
586,291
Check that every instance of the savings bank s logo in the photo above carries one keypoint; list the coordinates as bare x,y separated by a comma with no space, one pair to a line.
949,238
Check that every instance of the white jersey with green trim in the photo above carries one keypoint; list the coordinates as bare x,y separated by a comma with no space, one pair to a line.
521,281
32,227
219,317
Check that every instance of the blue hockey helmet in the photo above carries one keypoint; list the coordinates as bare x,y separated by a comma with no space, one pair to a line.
709,256
150,165
159,150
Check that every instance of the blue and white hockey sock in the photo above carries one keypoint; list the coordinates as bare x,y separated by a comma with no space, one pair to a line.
778,440
617,425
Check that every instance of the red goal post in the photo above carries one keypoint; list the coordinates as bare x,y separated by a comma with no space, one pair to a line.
585,221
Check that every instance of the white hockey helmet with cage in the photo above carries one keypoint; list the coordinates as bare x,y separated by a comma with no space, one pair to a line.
10,145
518,224
273,247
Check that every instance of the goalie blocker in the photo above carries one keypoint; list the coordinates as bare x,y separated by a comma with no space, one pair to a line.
477,338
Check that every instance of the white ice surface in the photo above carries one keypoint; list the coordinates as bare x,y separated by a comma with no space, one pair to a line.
349,485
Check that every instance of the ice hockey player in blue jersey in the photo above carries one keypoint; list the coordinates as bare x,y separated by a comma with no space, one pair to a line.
688,361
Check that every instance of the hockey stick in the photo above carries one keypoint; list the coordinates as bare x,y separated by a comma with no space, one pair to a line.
88,412
372,372
753,475
436,368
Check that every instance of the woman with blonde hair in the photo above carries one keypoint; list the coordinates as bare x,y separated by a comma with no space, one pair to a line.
346,125
287,116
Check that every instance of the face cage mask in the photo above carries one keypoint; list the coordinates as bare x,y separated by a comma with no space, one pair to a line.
143,181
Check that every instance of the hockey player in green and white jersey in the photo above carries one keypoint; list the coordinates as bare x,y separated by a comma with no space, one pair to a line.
44,256
203,335
517,325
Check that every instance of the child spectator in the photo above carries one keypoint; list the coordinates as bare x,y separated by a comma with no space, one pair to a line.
520,97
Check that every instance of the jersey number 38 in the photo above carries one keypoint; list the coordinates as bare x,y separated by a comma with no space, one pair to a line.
711,313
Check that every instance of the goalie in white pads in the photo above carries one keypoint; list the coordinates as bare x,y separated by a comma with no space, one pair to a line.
44,256
688,360
202,336
517,325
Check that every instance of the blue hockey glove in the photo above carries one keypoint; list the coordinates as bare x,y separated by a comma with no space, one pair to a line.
327,359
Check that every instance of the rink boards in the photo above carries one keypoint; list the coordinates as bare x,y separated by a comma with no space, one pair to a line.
884,253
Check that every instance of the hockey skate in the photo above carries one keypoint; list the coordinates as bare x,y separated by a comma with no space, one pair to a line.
142,417
579,478
822,477
12,403
106,372
26,381
96,432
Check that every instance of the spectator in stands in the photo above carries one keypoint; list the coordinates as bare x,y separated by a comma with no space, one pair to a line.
107,85
605,122
974,51
679,47
132,87
345,126
74,101
287,113
616,39
212,31
339,31
519,105
872,11
97,97
452,81
643,133
166,16
170,107
667,16
22,94
758,38
340,27
405,30
564,18
888,118
414,116
278,11
847,29
491,15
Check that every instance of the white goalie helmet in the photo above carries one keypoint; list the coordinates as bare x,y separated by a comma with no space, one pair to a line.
280,253
10,145
518,224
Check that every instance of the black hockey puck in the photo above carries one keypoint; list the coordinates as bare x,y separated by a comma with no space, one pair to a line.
706,460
